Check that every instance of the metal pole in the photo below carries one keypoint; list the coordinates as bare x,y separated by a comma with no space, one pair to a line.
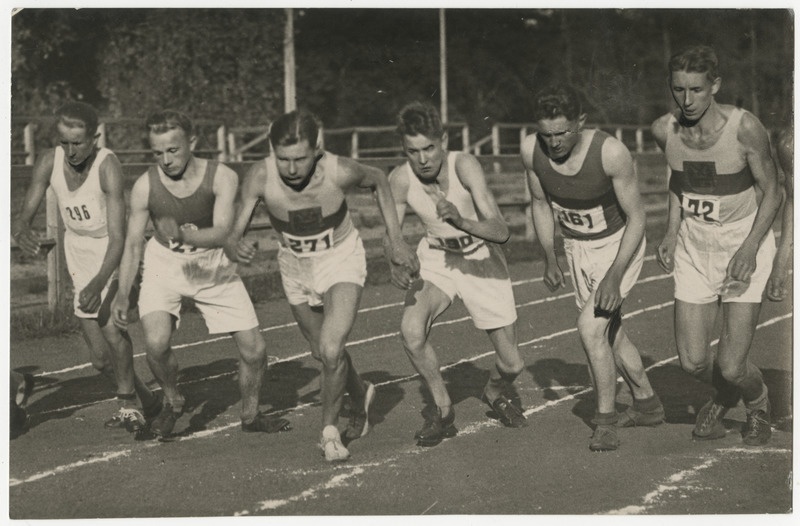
289,92
443,65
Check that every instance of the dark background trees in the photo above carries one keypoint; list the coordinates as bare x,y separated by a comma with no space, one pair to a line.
358,66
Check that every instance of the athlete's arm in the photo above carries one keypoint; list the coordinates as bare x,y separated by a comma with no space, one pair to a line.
618,165
225,185
753,137
666,249
236,247
490,225
401,276
375,179
778,280
132,253
34,195
112,183
543,222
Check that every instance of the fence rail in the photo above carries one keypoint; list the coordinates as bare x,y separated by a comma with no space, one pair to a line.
504,175
243,143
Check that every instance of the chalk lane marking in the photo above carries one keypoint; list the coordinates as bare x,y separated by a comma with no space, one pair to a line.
682,479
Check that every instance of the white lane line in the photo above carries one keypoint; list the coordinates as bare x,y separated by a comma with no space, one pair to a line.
464,432
681,481
478,426
294,324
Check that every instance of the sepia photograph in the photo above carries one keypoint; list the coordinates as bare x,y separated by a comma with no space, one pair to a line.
364,262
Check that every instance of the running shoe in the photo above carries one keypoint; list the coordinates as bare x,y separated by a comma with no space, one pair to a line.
708,425
633,418
266,424
435,428
604,438
331,445
164,423
126,418
508,413
757,430
359,420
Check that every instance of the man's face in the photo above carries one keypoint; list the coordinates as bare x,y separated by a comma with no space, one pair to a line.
77,144
425,155
172,150
693,92
296,162
560,135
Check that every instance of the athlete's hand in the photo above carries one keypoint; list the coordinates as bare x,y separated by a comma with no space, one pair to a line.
743,263
665,254
448,212
90,297
402,276
25,240
608,297
778,284
119,311
245,251
553,277
402,254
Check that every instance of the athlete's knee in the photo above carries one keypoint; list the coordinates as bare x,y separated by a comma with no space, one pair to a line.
414,335
591,331
694,365
254,352
331,351
734,371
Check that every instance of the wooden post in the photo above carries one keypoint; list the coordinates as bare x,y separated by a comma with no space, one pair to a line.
57,279
354,144
30,143
289,89
618,134
523,132
234,155
496,146
222,154
465,138
102,139
639,140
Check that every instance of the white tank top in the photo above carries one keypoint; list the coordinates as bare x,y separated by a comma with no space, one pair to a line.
84,209
422,198
714,185
316,218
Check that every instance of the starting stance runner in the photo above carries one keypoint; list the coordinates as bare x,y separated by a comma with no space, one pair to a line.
190,202
587,178
88,184
458,256
718,238
321,259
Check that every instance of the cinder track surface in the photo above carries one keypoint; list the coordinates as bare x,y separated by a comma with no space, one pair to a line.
68,466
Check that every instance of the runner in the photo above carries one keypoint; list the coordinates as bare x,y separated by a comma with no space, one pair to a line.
718,238
587,178
459,256
322,260
190,202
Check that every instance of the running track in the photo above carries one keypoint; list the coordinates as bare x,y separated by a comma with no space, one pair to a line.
68,466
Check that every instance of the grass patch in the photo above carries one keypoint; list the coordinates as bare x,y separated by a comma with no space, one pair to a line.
39,322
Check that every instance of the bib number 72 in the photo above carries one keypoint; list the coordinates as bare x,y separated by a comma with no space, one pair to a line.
704,208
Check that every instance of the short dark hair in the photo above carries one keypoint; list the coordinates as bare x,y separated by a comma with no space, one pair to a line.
293,128
419,118
558,100
696,59
165,120
76,114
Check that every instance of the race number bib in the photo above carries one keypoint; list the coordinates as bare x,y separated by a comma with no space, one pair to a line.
702,207
309,245
587,221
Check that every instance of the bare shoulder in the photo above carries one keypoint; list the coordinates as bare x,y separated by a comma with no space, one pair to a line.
225,175
659,126
751,133
468,165
141,191
527,149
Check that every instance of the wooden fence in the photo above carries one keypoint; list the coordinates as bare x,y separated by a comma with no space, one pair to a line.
504,175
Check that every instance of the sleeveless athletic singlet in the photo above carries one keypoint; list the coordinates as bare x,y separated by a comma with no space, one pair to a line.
585,203
196,209
714,185
422,199
83,210
314,219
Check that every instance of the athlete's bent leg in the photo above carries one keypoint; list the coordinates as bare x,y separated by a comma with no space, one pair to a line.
424,303
158,327
252,364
